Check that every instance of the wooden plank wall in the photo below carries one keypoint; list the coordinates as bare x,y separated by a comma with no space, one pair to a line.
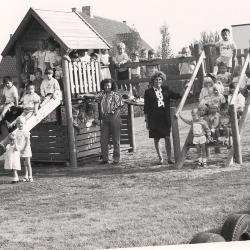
84,77
49,143
88,139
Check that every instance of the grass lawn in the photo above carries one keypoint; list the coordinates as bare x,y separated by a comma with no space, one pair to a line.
137,203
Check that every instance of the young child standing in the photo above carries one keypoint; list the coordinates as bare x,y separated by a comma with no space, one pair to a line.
201,132
227,51
213,121
135,74
10,96
12,158
104,61
23,142
224,126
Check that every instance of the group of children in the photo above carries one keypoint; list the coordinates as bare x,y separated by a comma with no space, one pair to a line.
19,140
210,121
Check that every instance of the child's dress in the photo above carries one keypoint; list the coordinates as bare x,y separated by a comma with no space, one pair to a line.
12,158
21,137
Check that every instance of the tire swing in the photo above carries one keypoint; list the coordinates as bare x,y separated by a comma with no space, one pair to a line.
206,237
236,227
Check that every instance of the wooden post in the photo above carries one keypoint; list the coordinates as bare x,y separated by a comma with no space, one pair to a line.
182,156
209,57
69,117
131,127
235,134
175,133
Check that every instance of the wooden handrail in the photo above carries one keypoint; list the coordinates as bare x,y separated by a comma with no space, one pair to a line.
157,61
190,84
243,71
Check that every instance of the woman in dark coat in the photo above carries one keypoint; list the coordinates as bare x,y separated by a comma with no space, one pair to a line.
157,113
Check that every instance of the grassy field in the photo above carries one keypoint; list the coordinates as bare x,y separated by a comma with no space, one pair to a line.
137,203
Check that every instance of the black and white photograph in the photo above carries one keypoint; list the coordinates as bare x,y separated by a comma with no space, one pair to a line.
124,124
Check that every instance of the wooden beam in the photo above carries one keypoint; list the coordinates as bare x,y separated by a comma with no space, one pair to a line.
241,125
242,75
235,133
190,84
175,134
69,117
131,127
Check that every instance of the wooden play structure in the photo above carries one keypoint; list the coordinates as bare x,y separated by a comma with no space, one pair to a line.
58,141
206,62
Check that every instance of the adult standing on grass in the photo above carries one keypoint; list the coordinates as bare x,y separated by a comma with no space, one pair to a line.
157,113
110,105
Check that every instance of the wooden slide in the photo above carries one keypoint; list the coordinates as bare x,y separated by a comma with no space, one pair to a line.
46,107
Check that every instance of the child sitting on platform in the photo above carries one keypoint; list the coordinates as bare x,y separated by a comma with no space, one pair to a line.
224,77
201,133
213,121
207,88
38,80
10,96
239,101
224,125
50,86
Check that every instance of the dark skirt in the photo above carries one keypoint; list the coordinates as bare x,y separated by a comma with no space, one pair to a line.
160,124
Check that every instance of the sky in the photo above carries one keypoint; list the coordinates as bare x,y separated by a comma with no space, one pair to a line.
185,19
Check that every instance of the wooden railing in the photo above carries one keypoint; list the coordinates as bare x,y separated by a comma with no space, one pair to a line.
233,117
84,77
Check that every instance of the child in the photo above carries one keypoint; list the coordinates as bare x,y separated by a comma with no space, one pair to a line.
217,83
31,100
84,56
104,61
227,51
215,98
224,77
224,126
186,67
119,59
12,158
39,57
50,86
213,121
151,69
23,142
239,101
200,130
38,80
10,96
207,87
136,74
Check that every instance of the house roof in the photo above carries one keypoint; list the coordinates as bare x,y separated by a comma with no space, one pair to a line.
8,67
69,29
109,29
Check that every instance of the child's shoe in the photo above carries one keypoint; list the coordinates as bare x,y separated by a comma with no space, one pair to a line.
199,163
15,180
204,162
30,179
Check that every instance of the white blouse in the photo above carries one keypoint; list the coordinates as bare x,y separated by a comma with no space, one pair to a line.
159,96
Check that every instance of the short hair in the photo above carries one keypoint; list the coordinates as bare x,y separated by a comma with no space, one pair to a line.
49,71
151,51
207,79
158,74
121,45
94,55
222,64
107,80
232,85
225,30
38,70
7,79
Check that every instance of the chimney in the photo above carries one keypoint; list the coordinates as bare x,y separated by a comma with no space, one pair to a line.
125,22
88,11
73,9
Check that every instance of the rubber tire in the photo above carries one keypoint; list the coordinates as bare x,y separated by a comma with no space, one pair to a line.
236,227
206,237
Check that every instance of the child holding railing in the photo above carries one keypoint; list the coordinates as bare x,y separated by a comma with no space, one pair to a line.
201,133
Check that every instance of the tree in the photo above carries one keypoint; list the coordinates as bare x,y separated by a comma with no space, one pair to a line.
164,48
